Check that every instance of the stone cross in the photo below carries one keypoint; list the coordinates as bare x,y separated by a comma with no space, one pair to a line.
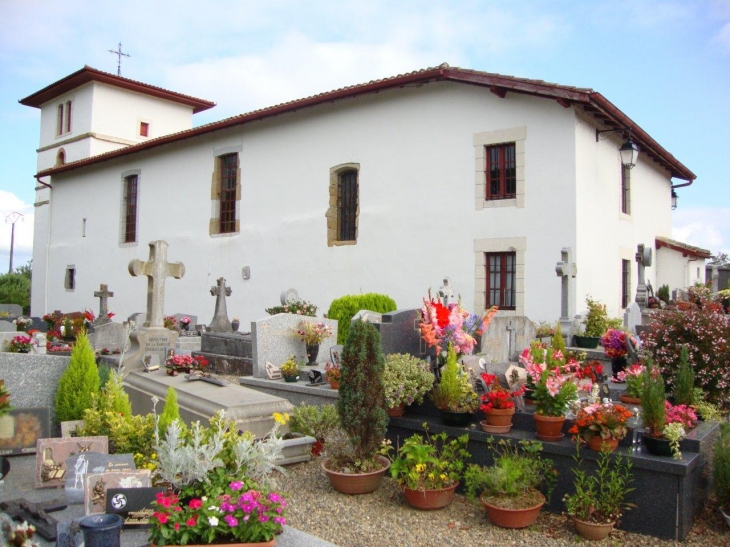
220,322
103,294
511,342
643,258
565,270
446,293
157,268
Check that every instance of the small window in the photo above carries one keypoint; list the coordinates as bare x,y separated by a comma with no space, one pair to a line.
501,171
59,120
70,280
347,202
501,280
68,116
228,192
61,157
144,129
130,208
625,190
625,282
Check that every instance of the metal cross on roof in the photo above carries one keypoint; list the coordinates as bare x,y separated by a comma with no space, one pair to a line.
119,55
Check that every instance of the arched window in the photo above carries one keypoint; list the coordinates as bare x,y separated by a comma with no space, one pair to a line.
61,157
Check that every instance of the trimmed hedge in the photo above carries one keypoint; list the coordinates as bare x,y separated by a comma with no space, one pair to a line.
344,309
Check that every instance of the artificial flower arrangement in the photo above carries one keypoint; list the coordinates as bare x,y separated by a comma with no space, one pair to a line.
22,323
615,343
16,534
544,330
312,333
407,379
169,322
290,367
634,378
50,320
605,420
443,325
333,371
593,371
90,317
430,462
20,344
185,320
552,375
185,363
497,397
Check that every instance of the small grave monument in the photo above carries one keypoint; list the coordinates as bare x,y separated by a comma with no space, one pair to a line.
97,484
220,322
103,294
52,455
566,270
84,463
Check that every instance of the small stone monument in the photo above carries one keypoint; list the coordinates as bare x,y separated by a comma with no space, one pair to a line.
644,260
103,294
446,292
566,270
220,322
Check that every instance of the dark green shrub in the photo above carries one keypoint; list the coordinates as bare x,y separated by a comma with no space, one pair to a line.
721,468
684,382
653,399
15,289
362,393
79,384
344,309
663,294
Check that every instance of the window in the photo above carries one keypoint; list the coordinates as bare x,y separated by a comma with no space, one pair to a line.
61,157
501,171
625,190
68,116
59,120
501,280
70,280
625,282
144,129
343,212
228,191
130,208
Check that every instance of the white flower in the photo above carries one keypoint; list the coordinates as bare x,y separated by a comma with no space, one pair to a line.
213,521
214,508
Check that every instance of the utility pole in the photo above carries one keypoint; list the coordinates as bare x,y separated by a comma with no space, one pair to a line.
12,218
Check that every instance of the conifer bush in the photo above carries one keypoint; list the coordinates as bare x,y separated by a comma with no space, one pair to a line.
362,393
684,383
344,309
79,384
170,412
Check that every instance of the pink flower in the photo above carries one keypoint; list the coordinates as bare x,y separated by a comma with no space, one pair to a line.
235,485
231,520
195,504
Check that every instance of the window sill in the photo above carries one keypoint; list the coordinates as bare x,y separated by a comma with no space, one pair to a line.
342,243
494,203
226,234
624,216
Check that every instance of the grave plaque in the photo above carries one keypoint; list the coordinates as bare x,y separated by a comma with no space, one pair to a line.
21,428
84,463
134,505
51,456
98,484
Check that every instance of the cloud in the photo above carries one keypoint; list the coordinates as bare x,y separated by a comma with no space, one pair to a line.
23,240
705,227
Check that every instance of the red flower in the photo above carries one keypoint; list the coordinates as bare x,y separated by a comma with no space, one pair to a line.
195,504
442,315
192,521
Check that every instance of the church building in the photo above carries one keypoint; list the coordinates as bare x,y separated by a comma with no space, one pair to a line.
387,186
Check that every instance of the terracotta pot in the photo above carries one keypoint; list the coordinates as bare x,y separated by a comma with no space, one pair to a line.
259,544
396,411
549,428
592,531
657,447
597,441
501,429
334,383
428,500
500,416
512,518
357,483
458,419
629,400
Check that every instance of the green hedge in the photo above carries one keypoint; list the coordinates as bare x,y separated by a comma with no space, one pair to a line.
344,309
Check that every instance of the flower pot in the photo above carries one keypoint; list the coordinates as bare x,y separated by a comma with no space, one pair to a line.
512,518
592,531
102,530
458,419
549,428
495,428
185,326
290,379
595,443
335,384
500,416
356,483
618,364
586,342
629,400
396,411
235,325
312,351
428,500
657,447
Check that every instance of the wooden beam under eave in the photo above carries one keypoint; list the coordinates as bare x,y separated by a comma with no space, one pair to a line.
498,91
563,102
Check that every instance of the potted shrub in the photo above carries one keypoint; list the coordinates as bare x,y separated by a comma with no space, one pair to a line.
615,343
79,383
312,334
19,344
684,381
497,405
721,471
354,466
661,438
454,394
634,378
596,323
508,489
552,374
601,424
314,421
333,372
407,379
290,369
429,468
599,498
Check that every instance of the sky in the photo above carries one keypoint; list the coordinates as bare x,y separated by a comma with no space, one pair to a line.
666,64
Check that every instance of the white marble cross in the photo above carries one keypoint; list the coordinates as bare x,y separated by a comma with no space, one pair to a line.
157,268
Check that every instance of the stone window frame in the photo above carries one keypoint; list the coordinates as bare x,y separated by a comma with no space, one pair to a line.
625,195
214,226
332,214
69,279
629,255
61,157
143,128
625,283
516,135
123,208
517,245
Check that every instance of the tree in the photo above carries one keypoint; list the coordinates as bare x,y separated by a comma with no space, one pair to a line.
79,384
15,289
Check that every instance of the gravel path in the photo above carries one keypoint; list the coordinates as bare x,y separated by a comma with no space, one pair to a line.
382,519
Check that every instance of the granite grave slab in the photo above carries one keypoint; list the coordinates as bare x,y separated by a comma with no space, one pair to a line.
82,463
96,486
52,454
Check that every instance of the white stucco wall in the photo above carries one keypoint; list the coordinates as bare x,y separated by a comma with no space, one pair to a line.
417,222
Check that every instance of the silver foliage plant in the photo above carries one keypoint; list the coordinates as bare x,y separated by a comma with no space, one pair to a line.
257,459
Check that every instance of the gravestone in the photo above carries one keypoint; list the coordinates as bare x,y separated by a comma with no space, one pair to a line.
632,317
52,455
84,463
103,294
108,335
96,486
400,333
153,338
14,310
138,318
643,259
274,340
7,326
566,270
506,337
39,344
446,292
220,322
38,324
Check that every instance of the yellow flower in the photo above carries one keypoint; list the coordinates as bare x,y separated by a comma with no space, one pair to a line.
443,477
431,476
420,468
281,418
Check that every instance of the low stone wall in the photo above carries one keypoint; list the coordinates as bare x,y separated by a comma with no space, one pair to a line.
32,380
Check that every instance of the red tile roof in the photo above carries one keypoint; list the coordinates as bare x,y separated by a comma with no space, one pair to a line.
89,74
607,115
683,248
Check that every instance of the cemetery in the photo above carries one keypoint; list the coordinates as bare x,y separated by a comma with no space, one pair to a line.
430,412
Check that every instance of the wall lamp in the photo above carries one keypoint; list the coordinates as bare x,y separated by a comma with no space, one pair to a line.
675,199
629,149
